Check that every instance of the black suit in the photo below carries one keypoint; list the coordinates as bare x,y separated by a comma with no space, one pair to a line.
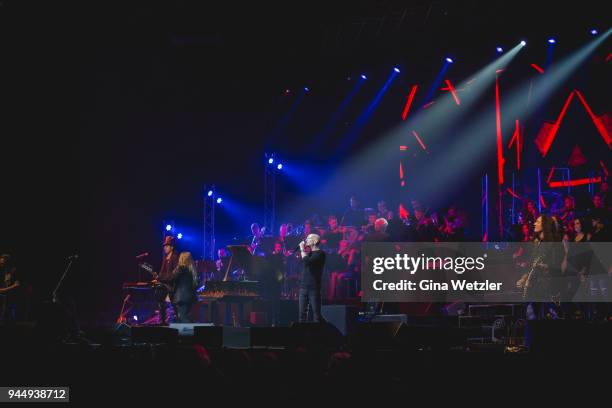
165,277
183,293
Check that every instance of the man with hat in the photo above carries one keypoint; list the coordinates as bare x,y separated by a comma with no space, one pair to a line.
169,263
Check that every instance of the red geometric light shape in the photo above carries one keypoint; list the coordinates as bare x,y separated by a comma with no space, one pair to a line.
500,156
516,136
409,102
602,123
549,130
574,183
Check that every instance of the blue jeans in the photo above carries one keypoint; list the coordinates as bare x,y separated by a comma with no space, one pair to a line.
312,297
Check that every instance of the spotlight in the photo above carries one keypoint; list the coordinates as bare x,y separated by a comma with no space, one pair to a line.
306,89
179,235
210,193
219,200
280,166
396,69
168,227
449,60
135,318
551,41
593,32
270,160
499,49
523,43
363,76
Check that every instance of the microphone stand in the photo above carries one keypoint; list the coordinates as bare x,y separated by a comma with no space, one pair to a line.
74,331
54,297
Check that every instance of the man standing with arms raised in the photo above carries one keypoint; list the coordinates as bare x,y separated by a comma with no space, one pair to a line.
310,279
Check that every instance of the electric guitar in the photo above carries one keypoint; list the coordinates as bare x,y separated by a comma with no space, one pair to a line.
147,267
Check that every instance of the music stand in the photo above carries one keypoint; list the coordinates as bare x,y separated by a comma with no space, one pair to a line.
241,256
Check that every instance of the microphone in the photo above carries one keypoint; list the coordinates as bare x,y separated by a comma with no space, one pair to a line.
143,255
75,256
297,248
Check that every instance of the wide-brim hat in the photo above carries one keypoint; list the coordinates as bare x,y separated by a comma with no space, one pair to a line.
169,240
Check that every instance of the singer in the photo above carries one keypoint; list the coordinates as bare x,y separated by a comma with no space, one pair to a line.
310,279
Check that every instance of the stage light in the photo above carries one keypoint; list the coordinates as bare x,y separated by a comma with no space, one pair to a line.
168,227
593,32
551,41
396,69
500,49
449,60
219,200
363,76
280,166
523,43
210,193
270,160
179,235
135,318
306,89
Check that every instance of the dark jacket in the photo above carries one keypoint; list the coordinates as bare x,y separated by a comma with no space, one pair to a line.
184,288
167,268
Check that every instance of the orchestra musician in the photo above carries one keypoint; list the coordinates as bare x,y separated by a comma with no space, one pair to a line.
221,264
383,211
258,233
354,215
333,235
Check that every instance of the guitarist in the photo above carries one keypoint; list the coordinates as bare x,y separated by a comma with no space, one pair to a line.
164,278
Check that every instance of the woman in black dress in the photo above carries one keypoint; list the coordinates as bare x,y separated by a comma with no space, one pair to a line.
184,284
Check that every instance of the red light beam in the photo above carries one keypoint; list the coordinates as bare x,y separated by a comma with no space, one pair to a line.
451,89
416,135
409,102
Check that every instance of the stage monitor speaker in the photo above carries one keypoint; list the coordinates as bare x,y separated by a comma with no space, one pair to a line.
222,336
287,312
270,336
208,336
375,336
154,334
343,317
187,329
236,337
566,337
315,335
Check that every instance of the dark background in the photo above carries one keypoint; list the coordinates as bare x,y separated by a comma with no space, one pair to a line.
117,114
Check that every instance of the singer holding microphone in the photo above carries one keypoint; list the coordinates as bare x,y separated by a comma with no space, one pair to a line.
310,278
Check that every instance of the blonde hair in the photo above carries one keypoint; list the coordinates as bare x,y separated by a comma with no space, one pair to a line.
186,260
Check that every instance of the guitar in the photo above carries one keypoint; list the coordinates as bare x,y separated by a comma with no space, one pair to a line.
147,267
